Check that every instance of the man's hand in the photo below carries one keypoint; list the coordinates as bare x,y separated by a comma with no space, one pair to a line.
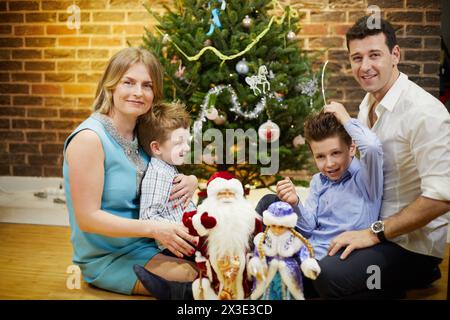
351,240
286,192
338,110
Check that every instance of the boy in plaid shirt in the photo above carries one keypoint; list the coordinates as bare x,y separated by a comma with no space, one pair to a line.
164,135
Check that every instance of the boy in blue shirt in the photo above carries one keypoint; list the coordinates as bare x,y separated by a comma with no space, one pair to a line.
346,194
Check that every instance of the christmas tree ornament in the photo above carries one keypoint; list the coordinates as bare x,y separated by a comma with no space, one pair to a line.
208,158
211,113
223,5
215,20
174,59
259,79
242,67
207,43
180,72
166,38
291,36
269,131
210,154
308,87
279,96
221,119
164,52
247,22
298,141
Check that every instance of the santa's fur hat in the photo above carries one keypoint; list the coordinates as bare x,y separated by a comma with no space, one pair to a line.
223,180
280,214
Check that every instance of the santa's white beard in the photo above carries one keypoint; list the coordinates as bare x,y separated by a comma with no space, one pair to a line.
235,225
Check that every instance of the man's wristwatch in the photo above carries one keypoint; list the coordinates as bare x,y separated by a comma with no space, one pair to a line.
378,229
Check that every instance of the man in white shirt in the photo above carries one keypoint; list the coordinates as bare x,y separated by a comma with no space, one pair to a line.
404,248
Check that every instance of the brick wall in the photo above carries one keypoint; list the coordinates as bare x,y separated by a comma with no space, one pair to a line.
418,30
48,73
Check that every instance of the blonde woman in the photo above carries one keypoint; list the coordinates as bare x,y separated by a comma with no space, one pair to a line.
103,169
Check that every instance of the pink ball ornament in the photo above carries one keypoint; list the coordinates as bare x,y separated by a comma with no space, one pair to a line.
298,141
212,113
221,119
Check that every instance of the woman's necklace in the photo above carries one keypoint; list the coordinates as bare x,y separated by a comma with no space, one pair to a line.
130,147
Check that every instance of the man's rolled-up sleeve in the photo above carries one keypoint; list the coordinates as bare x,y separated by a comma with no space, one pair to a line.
430,145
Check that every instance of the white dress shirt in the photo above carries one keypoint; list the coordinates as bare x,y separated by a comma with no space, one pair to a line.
414,129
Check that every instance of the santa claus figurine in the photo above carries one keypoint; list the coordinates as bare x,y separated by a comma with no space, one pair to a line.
226,223
280,254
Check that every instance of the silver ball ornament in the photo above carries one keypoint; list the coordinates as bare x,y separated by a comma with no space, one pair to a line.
242,67
247,22
291,36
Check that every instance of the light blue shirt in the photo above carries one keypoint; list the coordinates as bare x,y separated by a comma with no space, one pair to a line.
351,203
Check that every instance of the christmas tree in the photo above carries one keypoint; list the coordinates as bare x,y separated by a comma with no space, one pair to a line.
238,65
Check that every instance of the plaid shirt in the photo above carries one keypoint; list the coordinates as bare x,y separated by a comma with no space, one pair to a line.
155,192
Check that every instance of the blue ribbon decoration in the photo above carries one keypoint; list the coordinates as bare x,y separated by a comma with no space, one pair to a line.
215,17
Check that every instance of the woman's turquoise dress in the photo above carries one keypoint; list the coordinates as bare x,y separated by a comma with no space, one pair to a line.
107,262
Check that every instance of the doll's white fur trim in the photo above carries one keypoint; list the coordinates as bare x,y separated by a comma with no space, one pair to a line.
196,222
287,221
310,268
257,239
260,285
219,184
287,278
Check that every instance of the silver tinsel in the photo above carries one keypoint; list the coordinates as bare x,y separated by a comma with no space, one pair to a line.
236,106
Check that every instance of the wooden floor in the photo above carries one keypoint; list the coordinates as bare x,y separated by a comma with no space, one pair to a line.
34,260
33,264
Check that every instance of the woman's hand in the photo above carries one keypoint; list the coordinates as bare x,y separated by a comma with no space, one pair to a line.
175,237
184,189
286,192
